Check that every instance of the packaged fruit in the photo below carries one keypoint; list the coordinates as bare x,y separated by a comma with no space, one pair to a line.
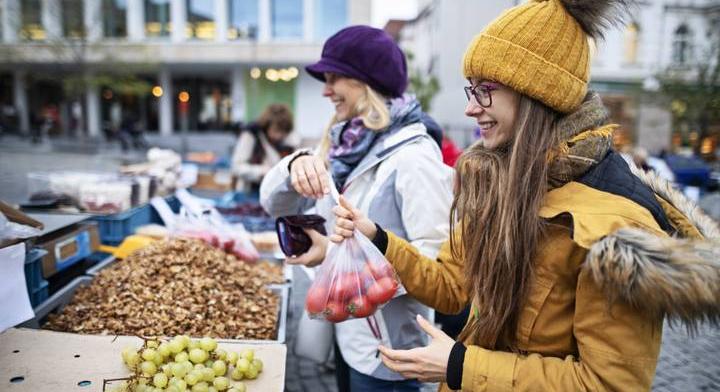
353,282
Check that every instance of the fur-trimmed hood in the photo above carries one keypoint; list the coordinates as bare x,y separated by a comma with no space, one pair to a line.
677,276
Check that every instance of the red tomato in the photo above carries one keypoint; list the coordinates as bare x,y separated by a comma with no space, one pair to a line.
382,291
361,307
316,298
379,270
345,287
214,241
228,245
335,312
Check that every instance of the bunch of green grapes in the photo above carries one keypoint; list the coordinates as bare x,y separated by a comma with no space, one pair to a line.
184,364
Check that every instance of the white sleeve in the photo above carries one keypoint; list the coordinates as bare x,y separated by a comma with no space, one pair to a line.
277,196
424,191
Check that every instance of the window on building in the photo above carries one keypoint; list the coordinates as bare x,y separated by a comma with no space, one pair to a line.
200,19
682,45
114,13
287,18
157,18
72,19
32,27
632,42
243,19
330,16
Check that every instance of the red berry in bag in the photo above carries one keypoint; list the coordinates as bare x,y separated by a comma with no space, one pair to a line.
382,291
336,312
316,298
361,307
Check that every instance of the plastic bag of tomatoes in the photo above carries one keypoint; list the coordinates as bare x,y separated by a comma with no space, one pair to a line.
353,282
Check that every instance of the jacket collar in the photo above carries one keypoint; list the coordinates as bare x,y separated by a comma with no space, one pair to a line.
386,147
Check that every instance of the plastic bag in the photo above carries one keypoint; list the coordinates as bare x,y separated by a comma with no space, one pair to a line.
353,282
11,230
213,230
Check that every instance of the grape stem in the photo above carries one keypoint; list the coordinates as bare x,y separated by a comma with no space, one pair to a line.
107,381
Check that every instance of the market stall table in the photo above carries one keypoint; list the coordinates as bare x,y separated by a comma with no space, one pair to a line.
39,360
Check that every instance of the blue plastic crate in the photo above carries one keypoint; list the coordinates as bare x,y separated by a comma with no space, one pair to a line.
33,269
232,199
40,294
82,246
114,228
254,224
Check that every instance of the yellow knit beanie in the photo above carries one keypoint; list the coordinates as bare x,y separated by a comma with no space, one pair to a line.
541,49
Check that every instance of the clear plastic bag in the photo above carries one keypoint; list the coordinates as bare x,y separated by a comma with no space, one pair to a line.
11,230
211,229
353,282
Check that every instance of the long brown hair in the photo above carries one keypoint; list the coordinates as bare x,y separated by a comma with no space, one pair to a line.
498,196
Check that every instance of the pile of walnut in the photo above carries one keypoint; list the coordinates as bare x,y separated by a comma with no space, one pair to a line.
176,288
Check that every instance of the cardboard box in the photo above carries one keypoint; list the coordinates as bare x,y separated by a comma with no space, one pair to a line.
17,216
58,361
214,181
68,246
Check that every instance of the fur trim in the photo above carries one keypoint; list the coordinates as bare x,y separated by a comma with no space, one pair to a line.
677,278
596,16
707,226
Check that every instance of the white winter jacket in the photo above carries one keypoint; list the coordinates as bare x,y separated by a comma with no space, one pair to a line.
402,185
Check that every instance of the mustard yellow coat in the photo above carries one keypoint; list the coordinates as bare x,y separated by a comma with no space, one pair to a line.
570,337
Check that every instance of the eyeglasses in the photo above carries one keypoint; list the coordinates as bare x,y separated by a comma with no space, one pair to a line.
482,94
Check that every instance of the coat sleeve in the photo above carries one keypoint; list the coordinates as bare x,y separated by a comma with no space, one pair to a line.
423,191
241,165
446,293
277,196
618,350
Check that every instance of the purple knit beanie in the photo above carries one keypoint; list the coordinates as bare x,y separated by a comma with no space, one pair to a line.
366,54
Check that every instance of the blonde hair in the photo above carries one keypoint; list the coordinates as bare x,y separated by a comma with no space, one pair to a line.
370,107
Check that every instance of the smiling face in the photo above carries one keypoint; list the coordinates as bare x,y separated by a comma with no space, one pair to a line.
344,93
497,121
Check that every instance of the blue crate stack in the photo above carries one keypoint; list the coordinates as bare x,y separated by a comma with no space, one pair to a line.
114,228
37,286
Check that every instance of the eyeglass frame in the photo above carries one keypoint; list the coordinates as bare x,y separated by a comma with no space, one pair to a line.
471,91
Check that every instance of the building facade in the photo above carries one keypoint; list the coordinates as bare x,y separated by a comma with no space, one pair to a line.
88,66
660,35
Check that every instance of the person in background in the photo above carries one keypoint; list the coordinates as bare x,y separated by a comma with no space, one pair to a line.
261,145
383,153
569,258
450,151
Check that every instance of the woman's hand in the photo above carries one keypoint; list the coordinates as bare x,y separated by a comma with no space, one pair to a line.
309,176
349,218
427,364
315,255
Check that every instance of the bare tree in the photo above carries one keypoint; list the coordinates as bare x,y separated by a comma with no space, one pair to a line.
694,94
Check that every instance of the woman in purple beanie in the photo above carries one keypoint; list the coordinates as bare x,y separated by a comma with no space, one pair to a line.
383,153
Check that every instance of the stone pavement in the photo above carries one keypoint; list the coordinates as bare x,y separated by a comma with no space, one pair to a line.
685,364
303,375
689,364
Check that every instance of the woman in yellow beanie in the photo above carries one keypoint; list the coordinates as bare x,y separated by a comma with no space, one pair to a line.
569,258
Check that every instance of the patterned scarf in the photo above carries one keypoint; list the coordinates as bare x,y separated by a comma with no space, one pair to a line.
351,140
586,138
